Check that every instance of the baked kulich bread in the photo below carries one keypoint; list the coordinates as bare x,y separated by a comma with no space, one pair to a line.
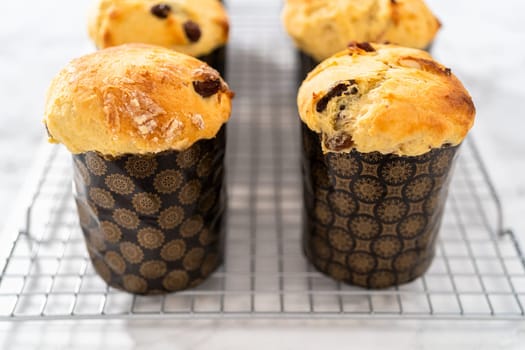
322,28
193,27
135,99
198,28
146,126
381,128
385,98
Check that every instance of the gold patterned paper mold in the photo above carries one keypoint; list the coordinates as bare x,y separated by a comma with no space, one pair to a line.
372,220
153,224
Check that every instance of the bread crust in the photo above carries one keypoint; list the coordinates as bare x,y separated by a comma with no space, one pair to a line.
176,26
135,99
385,98
321,28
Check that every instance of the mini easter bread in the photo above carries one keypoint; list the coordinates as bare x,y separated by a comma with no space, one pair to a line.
385,98
193,27
320,28
136,99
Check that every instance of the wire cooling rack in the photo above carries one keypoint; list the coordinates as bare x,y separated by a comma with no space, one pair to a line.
478,273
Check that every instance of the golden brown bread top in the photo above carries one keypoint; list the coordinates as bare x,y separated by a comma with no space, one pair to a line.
193,27
385,98
321,28
135,99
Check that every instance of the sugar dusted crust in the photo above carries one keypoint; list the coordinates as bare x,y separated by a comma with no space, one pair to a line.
385,98
193,27
135,99
321,28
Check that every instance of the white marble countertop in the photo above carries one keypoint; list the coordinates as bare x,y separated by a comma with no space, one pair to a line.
483,43
233,335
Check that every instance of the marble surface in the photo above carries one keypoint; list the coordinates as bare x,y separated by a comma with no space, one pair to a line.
232,335
481,41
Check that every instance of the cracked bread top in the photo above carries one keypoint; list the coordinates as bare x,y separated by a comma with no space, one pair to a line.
321,28
135,99
385,98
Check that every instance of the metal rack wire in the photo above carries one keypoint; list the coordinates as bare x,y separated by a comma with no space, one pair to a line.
478,273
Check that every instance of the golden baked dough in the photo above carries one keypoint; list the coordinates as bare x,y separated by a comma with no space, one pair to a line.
193,27
385,98
135,99
321,28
